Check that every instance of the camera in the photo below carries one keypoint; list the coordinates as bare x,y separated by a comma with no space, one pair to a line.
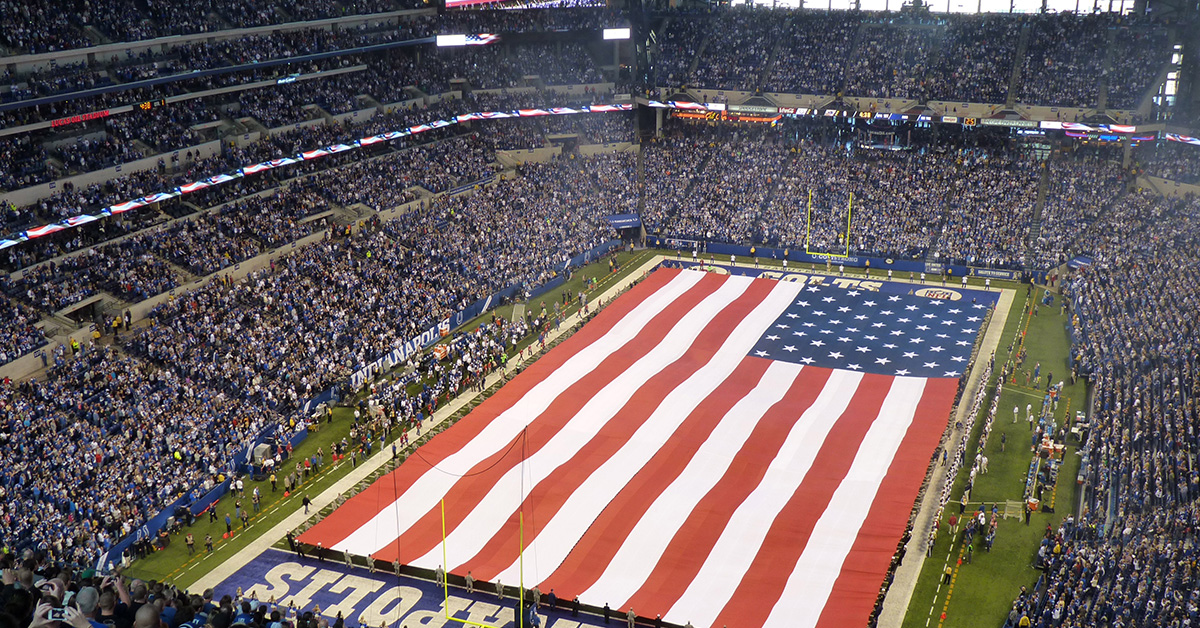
57,614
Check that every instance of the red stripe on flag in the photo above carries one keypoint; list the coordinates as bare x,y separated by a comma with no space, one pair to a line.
763,582
549,495
426,533
586,562
694,540
358,511
857,586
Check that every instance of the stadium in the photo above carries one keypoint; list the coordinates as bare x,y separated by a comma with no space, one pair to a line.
565,313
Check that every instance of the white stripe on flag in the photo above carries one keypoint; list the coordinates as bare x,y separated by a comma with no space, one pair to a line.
812,580
635,559
425,493
495,509
640,553
560,534
735,550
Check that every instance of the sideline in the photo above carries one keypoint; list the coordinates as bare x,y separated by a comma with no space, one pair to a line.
895,603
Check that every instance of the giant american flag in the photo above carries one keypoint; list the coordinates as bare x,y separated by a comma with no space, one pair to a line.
715,449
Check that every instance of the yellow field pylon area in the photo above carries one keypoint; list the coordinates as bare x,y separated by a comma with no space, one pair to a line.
520,619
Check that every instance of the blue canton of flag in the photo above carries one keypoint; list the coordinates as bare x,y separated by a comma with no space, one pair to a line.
874,332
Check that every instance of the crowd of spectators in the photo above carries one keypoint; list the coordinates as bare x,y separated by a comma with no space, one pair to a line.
812,53
102,443
71,240
893,203
678,48
1140,55
18,335
555,64
672,162
237,231
183,59
516,133
49,81
483,67
126,270
289,331
1112,235
750,189
738,50
471,164
22,164
36,26
963,58
165,128
1080,188
446,164
891,61
1065,60
591,128
38,29
372,183
1127,559
1170,160
975,63
727,196
515,232
990,211
287,105
36,586
92,153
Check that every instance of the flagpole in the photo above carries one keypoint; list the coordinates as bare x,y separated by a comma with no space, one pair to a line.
849,211
808,217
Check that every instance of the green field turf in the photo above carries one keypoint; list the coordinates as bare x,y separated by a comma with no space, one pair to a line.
982,592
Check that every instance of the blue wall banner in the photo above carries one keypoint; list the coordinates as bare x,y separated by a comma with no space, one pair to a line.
624,221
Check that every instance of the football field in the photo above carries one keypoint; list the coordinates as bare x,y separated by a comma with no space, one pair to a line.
712,448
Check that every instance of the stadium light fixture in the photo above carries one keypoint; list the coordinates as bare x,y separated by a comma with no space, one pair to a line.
616,33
